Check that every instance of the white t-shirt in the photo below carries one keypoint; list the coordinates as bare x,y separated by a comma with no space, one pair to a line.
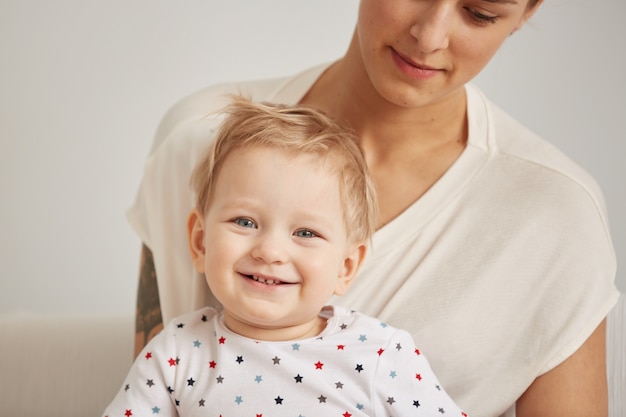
358,366
500,271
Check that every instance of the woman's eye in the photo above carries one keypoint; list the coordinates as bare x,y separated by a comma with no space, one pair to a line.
245,222
306,233
481,18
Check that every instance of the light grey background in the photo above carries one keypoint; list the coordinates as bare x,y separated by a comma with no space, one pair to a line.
84,83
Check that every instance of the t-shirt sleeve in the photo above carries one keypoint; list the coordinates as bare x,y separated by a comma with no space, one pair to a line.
406,385
147,387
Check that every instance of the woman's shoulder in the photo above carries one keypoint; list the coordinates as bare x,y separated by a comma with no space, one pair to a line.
528,157
210,100
213,98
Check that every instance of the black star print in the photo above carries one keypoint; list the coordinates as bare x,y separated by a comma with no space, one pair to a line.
416,404
177,403
438,387
201,402
278,400
180,325
343,326
239,359
127,387
220,379
298,379
338,385
170,390
190,382
398,346
390,400
321,399
204,317
358,368
276,360
150,383
442,411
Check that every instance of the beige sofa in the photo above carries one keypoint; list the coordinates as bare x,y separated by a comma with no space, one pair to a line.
62,365
72,365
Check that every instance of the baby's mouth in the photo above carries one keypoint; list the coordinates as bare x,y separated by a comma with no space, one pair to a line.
264,280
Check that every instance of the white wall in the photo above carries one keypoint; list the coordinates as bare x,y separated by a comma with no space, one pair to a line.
84,83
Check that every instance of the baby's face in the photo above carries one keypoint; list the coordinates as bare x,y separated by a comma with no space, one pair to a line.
275,241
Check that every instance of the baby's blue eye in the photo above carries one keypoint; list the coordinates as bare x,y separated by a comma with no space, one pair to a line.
305,233
245,222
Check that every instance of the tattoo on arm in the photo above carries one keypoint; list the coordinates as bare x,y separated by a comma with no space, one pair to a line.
148,318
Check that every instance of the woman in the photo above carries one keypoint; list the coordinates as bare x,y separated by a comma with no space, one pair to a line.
493,248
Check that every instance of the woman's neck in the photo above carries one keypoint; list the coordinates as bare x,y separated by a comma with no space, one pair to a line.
345,93
408,149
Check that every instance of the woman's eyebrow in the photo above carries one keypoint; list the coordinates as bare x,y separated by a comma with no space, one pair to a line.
502,1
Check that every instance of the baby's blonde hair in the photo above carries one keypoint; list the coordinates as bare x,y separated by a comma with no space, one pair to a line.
295,130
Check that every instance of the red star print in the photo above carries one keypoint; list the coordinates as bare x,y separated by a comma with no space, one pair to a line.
172,362
222,340
346,414
319,365
417,351
463,414
259,415
380,351
128,413
418,377
148,355
212,364
340,347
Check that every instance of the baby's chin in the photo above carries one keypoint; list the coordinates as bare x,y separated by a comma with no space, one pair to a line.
265,327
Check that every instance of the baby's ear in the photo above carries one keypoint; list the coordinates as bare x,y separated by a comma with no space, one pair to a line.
351,265
195,236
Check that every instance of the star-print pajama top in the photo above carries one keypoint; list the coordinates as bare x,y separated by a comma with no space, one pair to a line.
358,366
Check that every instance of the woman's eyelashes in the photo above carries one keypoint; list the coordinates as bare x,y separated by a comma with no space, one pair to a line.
479,18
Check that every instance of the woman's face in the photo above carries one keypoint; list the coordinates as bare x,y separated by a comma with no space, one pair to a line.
416,52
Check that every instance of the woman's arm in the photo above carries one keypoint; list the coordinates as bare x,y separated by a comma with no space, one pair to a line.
577,387
148,319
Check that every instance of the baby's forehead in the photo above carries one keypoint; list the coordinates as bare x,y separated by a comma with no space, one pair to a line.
324,159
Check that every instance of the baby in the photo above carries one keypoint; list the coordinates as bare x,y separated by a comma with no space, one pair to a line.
285,210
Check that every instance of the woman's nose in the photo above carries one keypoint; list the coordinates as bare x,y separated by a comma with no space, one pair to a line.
432,26
271,249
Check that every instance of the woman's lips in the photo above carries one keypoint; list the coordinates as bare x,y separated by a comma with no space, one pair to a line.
413,69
